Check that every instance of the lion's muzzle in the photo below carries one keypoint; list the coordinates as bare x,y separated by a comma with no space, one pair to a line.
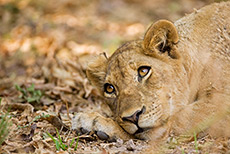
131,122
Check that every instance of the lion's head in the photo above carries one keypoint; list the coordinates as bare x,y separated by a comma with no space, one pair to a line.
143,81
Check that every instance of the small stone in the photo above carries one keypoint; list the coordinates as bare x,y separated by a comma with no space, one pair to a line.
84,131
102,135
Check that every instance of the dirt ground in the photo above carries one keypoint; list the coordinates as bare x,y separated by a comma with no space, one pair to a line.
44,50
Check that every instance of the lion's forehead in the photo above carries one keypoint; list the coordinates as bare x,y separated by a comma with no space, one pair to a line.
119,65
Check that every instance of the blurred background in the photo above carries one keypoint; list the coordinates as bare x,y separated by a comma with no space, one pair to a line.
67,28
31,30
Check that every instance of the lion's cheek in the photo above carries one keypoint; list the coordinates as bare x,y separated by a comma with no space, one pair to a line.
151,118
146,122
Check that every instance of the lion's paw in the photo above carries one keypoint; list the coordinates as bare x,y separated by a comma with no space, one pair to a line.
104,128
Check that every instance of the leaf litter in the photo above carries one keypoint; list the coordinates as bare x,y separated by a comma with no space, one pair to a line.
44,50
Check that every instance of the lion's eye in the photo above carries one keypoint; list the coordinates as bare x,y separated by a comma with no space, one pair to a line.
109,88
143,71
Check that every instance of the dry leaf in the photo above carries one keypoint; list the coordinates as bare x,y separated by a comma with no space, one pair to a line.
56,122
28,137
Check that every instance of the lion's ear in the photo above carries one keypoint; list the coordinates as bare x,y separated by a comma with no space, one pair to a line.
96,71
161,36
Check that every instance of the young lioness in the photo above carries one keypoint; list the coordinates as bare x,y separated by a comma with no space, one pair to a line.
176,78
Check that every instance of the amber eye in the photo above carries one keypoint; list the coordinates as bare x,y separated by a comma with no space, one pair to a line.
143,71
109,88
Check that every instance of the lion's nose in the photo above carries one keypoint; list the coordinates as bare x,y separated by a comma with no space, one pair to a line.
135,117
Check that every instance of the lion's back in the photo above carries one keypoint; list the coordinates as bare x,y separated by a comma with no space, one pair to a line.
207,29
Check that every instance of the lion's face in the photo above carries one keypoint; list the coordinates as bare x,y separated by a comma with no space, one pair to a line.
140,87
144,86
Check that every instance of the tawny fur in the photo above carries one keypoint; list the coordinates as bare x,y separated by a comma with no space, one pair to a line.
188,87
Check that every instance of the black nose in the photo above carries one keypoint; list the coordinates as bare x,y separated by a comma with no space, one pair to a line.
134,118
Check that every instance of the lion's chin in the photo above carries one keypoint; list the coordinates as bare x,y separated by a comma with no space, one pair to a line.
129,127
143,134
153,133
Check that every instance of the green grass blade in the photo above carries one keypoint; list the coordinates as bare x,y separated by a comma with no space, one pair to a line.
18,88
75,148
182,151
51,136
62,145
59,137
54,140
195,141
31,99
4,127
71,143
31,88
57,145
